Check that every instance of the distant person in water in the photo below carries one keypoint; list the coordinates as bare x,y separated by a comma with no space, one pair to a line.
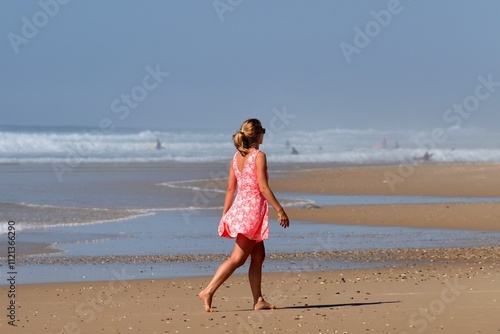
294,151
158,144
245,217
426,157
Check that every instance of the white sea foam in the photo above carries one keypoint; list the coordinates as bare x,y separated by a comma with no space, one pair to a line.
4,228
32,145
35,216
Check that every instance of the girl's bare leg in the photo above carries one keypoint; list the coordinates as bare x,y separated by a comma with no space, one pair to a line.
255,277
241,251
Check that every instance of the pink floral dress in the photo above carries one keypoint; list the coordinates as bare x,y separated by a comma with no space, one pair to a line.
248,213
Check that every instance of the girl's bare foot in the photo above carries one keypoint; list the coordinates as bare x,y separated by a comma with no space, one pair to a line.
207,300
263,305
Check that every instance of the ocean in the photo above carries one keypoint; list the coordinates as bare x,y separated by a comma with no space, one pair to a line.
136,192
71,146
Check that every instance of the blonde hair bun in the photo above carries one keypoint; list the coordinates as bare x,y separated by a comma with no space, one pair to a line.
248,135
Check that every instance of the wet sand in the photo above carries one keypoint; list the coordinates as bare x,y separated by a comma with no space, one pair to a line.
457,180
465,216
471,180
431,290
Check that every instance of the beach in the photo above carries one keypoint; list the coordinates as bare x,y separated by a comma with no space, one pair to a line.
128,126
445,289
441,298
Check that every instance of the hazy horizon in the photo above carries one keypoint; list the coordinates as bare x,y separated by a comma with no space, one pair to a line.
209,65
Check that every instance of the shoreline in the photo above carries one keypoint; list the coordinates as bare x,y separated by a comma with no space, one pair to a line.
391,255
88,269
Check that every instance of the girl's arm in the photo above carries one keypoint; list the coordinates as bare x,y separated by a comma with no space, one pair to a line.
231,188
261,164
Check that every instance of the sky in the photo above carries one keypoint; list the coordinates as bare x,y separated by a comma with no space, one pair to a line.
389,64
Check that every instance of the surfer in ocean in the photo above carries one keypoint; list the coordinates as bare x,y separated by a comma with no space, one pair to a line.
426,157
159,146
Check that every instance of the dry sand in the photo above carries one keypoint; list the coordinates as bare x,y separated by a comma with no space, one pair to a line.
447,294
445,298
473,180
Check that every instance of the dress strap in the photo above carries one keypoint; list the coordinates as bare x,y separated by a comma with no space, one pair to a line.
235,162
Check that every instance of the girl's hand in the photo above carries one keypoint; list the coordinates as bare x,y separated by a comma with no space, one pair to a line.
283,219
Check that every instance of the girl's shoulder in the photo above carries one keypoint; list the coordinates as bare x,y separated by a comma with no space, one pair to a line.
258,153
260,157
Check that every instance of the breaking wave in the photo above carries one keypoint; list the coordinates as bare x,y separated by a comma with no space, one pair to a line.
78,145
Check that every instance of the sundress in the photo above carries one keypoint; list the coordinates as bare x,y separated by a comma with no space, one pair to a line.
248,213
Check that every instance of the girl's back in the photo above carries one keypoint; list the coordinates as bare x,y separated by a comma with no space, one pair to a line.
245,171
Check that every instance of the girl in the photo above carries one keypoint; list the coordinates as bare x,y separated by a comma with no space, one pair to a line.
246,217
